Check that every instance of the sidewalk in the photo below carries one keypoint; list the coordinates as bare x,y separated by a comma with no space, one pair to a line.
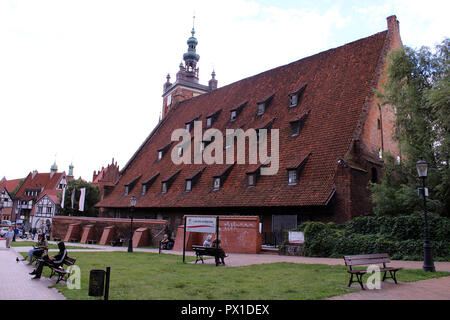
16,283
432,289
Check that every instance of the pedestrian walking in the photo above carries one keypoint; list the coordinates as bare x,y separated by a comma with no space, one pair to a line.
34,232
9,237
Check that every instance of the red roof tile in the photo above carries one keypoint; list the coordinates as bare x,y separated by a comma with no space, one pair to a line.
339,83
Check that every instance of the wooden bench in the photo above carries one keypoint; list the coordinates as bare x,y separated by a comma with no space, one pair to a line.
36,259
62,273
201,251
369,259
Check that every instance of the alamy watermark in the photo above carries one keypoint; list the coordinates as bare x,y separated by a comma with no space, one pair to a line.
215,147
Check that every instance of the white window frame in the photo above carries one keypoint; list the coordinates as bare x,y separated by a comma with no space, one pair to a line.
217,183
292,177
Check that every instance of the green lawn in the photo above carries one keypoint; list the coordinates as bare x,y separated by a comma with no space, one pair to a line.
142,275
50,246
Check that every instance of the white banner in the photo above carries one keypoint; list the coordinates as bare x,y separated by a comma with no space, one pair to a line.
62,198
82,196
201,224
72,197
296,237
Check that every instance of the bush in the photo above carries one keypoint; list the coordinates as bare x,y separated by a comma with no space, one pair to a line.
401,237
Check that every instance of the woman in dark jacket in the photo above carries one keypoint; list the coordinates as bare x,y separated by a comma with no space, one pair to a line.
54,261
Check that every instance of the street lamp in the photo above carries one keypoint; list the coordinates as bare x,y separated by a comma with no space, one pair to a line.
130,241
428,264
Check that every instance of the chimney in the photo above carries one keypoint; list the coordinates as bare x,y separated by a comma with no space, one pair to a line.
393,24
394,32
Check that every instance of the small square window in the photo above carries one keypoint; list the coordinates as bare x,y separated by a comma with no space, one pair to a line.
233,114
160,155
126,190
216,183
261,109
292,177
188,185
164,187
295,128
208,122
144,189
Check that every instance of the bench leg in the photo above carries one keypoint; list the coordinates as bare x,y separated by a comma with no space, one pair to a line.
359,279
392,273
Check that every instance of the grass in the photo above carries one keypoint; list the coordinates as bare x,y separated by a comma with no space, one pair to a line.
150,276
49,246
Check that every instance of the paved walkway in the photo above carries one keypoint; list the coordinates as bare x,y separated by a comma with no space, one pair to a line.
432,289
16,283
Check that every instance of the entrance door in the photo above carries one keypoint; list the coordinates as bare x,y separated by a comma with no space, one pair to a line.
281,223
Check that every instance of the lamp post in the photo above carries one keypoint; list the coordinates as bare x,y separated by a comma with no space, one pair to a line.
428,264
130,241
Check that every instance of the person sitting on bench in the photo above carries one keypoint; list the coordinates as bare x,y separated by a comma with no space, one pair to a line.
221,254
55,261
207,242
38,249
167,242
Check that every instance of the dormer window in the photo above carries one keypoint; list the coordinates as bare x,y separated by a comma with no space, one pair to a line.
192,179
295,168
169,100
221,176
147,184
166,183
236,111
216,183
188,185
261,109
180,151
262,105
163,150
251,180
296,96
297,125
209,122
190,124
127,190
292,177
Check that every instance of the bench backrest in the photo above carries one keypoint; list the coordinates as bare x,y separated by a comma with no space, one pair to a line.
366,259
204,249
69,261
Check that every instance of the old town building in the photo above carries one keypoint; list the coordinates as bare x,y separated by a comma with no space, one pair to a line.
332,133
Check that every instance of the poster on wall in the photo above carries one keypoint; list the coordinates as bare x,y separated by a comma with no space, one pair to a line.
201,224
296,237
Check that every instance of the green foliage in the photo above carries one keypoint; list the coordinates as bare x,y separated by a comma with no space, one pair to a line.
401,237
418,86
13,192
91,198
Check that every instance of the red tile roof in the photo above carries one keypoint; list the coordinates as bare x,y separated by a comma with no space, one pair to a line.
41,181
339,83
10,185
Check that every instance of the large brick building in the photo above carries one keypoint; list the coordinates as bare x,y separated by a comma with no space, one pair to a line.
332,134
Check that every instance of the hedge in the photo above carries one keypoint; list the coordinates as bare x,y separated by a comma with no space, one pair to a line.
401,237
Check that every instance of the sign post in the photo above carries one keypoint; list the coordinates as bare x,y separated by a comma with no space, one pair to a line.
200,224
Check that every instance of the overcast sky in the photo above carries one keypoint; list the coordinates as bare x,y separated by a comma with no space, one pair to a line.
81,81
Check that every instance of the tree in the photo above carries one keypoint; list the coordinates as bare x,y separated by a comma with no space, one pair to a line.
418,86
91,198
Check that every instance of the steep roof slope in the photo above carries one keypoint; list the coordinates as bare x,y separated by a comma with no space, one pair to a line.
338,84
40,181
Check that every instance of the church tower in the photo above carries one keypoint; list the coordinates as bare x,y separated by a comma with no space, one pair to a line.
186,83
